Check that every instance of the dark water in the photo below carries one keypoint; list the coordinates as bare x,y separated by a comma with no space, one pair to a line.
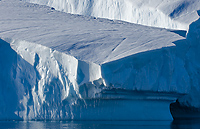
100,124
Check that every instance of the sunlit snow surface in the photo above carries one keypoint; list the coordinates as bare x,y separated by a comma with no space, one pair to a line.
86,38
62,66
159,13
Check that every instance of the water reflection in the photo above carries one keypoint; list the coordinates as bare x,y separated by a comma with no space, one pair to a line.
194,124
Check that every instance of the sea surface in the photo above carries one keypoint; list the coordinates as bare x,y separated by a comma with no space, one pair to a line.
100,124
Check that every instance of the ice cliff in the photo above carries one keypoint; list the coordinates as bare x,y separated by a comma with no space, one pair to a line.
193,39
170,69
39,83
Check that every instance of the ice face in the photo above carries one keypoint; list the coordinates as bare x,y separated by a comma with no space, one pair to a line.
36,81
192,99
174,69
42,83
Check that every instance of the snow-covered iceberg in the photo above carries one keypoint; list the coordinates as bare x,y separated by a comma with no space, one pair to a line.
159,13
64,66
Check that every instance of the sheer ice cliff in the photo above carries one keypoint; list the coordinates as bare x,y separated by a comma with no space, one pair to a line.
61,66
39,80
188,106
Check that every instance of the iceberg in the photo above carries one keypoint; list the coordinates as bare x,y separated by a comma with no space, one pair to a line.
59,66
38,83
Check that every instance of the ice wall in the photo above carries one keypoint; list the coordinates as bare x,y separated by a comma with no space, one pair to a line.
193,38
159,70
126,10
169,69
37,82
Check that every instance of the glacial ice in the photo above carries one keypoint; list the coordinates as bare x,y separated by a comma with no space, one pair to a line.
44,84
159,13
54,72
83,37
37,80
192,99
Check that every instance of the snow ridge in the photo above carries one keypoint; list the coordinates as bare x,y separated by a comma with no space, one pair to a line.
126,10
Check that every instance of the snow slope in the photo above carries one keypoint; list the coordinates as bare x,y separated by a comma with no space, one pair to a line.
159,13
80,36
81,67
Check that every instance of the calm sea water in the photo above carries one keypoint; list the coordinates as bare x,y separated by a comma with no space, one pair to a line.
100,124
